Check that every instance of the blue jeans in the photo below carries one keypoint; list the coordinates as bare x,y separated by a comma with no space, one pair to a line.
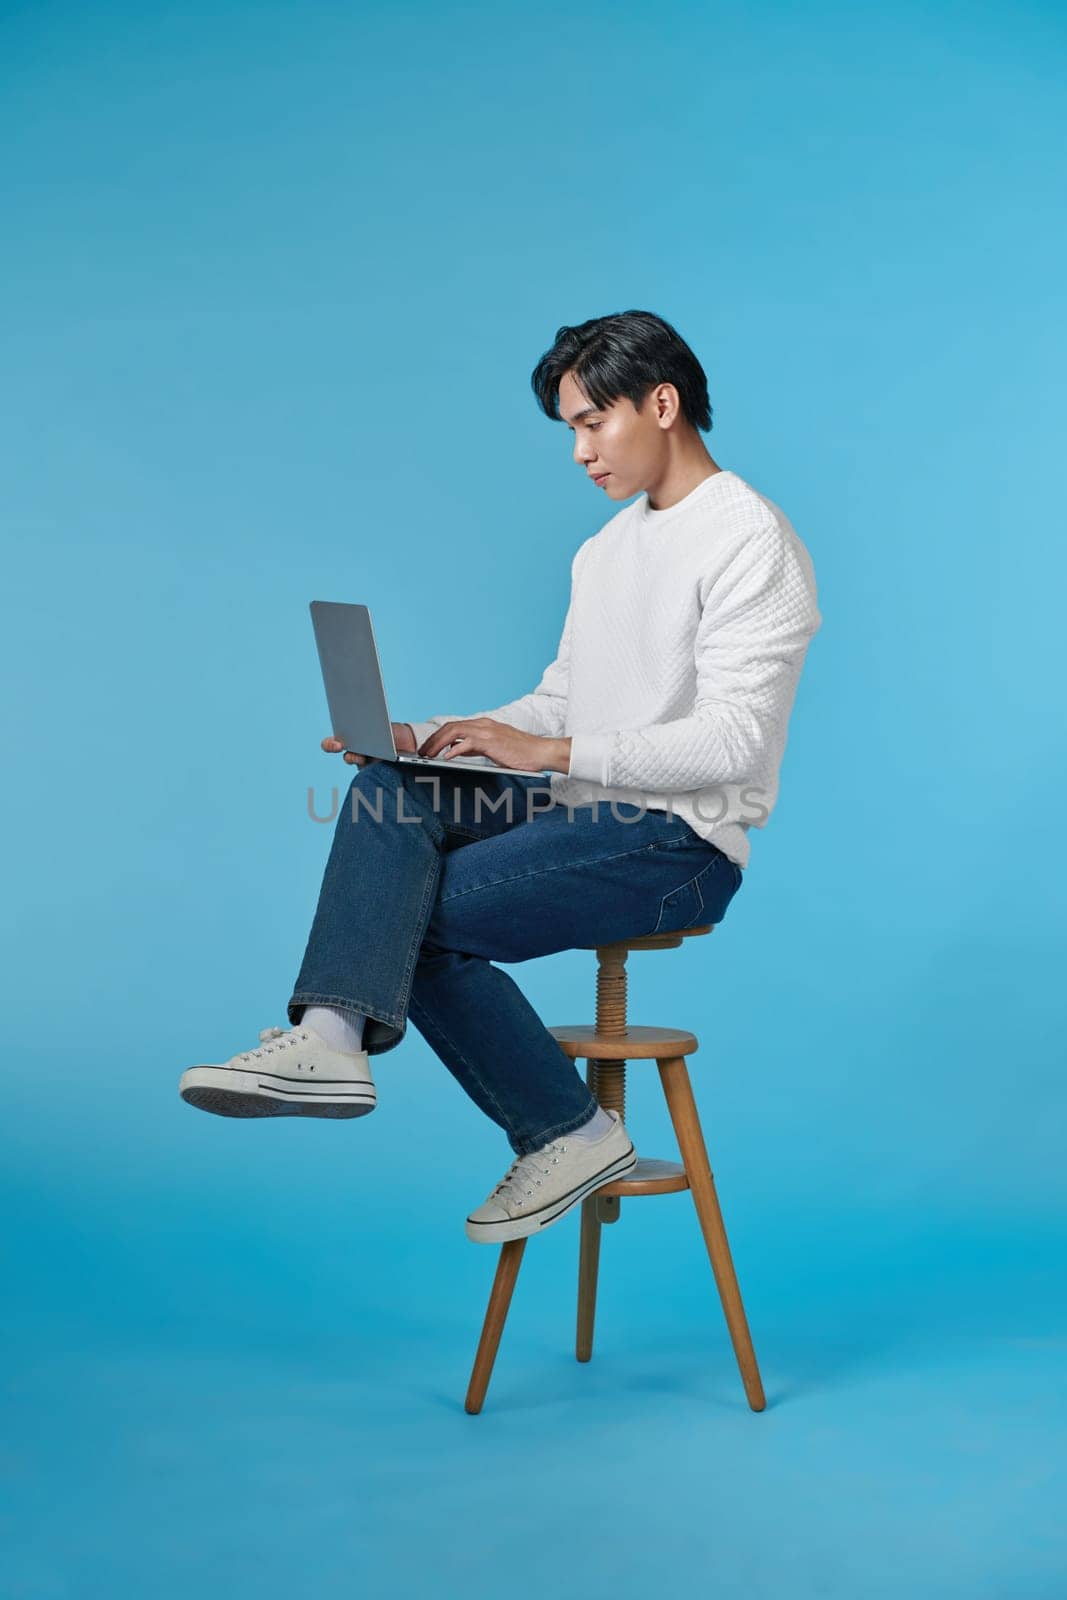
433,876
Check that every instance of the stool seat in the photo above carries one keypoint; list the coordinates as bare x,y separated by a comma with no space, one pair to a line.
581,1040
651,941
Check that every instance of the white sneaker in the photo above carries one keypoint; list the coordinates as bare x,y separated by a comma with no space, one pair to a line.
289,1074
539,1188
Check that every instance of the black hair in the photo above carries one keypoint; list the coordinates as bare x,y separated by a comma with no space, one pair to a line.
623,355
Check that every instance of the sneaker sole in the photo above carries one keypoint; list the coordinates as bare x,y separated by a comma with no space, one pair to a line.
522,1227
269,1095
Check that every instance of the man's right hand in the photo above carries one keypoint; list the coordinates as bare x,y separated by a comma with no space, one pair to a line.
403,738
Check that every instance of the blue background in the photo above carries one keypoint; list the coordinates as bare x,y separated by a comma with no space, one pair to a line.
275,277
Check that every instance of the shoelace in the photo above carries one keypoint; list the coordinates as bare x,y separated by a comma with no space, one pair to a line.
519,1182
275,1039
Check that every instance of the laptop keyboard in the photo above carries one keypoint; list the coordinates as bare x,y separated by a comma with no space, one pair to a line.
457,761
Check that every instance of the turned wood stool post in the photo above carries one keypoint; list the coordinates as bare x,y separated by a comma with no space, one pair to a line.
605,1047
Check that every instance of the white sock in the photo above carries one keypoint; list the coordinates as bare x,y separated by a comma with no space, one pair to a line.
595,1128
341,1030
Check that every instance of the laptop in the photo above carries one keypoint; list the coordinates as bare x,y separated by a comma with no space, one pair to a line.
355,692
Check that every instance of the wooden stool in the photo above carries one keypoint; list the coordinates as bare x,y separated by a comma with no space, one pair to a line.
606,1048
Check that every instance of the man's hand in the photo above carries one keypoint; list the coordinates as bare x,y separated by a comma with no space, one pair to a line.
403,738
507,746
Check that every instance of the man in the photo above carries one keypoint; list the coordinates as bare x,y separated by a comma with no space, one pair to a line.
662,722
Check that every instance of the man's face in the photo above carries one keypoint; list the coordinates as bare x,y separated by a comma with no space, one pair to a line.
622,448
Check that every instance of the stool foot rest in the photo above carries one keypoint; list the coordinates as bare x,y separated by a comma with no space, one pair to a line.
583,1041
649,1177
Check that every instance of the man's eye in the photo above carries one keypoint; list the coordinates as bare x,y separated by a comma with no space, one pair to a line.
593,426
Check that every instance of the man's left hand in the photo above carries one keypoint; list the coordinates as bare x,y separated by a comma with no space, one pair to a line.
507,746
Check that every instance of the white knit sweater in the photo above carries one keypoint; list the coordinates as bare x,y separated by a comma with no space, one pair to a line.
679,660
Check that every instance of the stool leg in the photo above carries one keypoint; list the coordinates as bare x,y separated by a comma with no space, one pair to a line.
588,1262
507,1270
682,1107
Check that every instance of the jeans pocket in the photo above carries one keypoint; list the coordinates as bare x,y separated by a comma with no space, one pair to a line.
681,908
704,899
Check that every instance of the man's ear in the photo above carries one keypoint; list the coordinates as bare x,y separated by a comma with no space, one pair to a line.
666,403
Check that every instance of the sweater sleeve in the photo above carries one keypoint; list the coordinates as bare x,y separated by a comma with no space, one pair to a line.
542,711
756,621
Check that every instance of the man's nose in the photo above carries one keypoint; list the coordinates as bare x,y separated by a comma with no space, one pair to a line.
583,451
